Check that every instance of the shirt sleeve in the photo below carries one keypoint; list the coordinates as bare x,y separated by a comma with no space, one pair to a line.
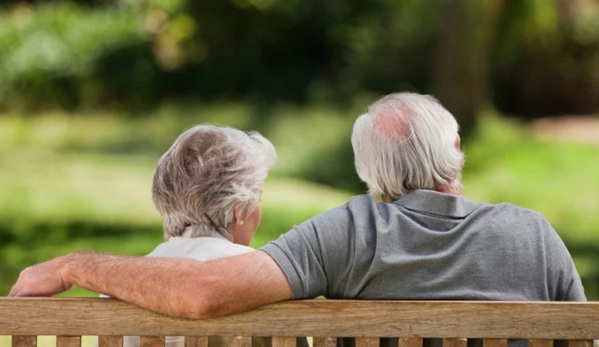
564,280
315,256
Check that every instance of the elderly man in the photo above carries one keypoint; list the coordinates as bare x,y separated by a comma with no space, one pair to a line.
414,237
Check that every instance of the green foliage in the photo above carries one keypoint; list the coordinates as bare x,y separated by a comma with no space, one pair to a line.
537,56
547,55
46,48
61,38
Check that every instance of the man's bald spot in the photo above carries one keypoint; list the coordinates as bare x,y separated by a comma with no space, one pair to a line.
391,121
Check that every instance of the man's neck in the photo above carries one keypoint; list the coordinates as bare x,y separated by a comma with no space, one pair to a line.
441,188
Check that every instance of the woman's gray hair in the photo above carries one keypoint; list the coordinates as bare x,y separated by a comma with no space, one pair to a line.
209,173
404,142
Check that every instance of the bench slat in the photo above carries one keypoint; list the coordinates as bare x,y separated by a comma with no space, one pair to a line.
240,341
427,319
196,341
324,342
367,342
540,343
68,341
110,341
281,341
455,342
410,342
24,341
495,343
580,343
151,341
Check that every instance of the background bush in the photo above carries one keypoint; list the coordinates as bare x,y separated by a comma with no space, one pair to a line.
83,182
533,57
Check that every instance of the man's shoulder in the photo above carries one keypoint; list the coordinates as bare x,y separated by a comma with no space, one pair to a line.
341,217
520,222
512,211
357,204
363,201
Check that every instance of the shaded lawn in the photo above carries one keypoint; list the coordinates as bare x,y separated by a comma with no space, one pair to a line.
73,183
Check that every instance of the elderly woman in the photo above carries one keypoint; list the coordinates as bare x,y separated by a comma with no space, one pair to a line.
207,188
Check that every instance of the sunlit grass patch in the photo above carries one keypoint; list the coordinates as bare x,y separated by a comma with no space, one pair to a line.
505,163
72,182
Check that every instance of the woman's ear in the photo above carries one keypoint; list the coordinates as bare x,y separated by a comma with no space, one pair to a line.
236,215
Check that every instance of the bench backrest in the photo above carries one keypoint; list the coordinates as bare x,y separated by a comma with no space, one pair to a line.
410,321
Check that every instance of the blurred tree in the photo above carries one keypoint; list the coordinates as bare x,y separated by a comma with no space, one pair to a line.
546,58
272,49
527,57
462,69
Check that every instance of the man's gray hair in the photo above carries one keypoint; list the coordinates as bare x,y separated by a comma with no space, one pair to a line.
404,142
209,173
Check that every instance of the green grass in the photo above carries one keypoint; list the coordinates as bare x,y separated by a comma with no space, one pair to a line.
72,182
558,179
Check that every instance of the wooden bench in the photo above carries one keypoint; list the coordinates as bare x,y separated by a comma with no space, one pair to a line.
410,321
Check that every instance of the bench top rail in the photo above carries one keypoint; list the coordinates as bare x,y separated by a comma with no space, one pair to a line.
319,318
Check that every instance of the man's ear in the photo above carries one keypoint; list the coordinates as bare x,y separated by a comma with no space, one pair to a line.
458,145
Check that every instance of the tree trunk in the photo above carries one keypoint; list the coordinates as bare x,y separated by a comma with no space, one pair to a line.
461,78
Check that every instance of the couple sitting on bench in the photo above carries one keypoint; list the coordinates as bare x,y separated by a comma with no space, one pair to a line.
414,237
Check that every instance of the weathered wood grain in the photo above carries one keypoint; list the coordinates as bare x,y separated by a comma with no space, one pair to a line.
580,343
324,342
455,342
195,341
151,341
367,342
428,319
68,341
409,342
540,343
495,343
24,341
110,341
282,341
240,341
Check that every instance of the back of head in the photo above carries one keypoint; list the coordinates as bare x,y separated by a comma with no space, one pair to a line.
207,174
405,142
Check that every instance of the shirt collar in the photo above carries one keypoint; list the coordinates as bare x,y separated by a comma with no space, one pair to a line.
432,202
211,233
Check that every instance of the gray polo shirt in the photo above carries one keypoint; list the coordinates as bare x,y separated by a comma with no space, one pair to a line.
427,245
